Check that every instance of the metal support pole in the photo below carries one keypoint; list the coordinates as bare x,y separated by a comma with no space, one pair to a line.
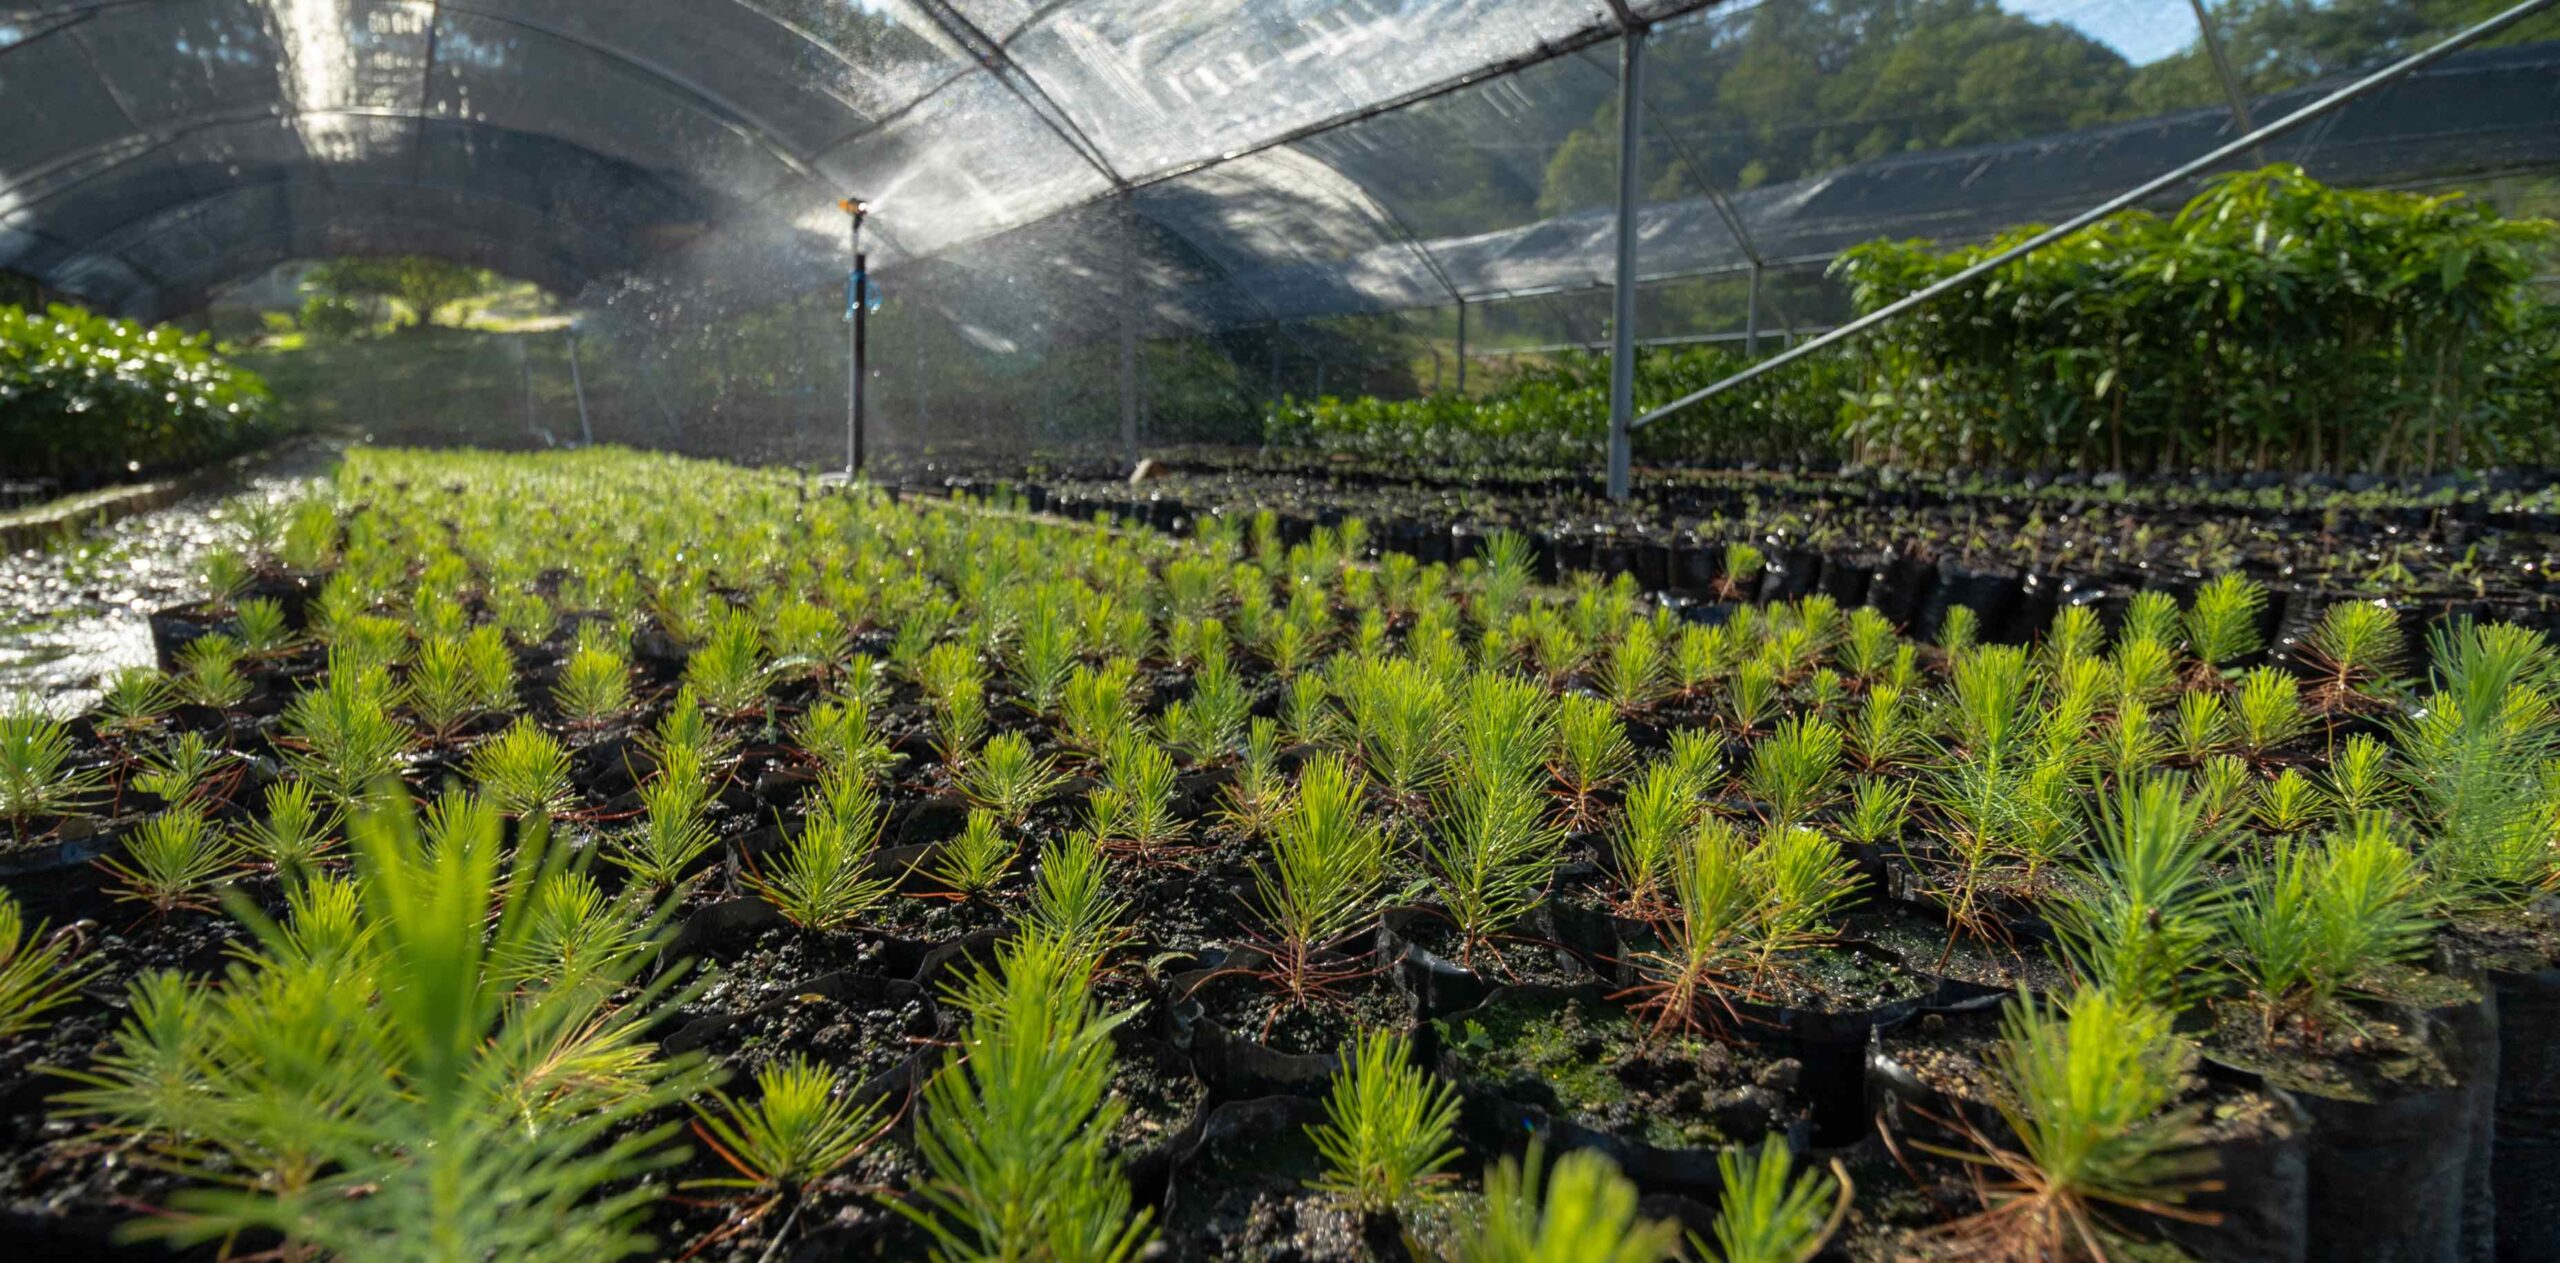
578,383
857,348
1462,346
1128,342
2148,188
2222,69
1622,333
1751,318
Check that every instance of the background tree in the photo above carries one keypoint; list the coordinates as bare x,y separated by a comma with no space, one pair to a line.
424,285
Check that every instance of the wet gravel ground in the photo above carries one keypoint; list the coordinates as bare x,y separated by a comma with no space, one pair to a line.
77,611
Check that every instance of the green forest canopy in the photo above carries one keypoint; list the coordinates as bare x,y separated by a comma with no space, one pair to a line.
1790,88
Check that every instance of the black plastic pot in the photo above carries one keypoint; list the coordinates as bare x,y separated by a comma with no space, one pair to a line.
2524,1161
1496,1121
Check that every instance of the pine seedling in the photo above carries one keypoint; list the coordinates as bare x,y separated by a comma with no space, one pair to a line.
2146,672
2074,635
362,1101
675,827
2360,777
523,771
1071,894
2356,649
1305,719
296,835
2289,804
971,864
264,633
523,617
685,726
2270,711
443,695
2086,1091
1491,854
1661,809
2222,624
805,638
1879,809
1699,658
2203,725
1044,654
1389,1128
209,672
1995,702
1772,1212
1099,704
2141,923
345,739
595,682
1867,650
837,736
37,973
1322,880
1015,1126
184,770
1795,770
2317,923
2151,615
1399,720
1591,754
1010,780
172,862
1253,801
954,681
804,1126
1959,630
1633,674
1140,776
576,935
1579,1211
366,642
728,670
1886,730
824,878
1717,898
133,699
2474,757
1739,575
2132,743
2222,787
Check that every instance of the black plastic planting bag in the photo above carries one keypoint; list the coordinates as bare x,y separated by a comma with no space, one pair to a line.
2390,1178
2524,1162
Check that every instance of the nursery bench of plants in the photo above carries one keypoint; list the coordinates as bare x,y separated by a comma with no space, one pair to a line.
2014,552
597,854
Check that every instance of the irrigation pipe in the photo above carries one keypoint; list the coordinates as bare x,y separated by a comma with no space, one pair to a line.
2147,188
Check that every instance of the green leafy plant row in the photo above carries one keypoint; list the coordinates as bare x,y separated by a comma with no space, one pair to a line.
2274,322
83,397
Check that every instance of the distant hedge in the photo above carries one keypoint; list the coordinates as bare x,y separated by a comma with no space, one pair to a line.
2274,323
85,399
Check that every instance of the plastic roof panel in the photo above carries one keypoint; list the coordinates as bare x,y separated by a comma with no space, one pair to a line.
55,106
171,62
1160,83
776,76
1299,235
968,161
490,71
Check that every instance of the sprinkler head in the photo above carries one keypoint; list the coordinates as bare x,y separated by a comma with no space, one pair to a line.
854,206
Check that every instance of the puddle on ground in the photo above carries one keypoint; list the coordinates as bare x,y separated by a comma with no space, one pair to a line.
77,611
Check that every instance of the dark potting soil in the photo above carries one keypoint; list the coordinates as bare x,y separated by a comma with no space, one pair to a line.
1508,960
2380,1052
1929,947
1600,1068
1839,980
1252,1009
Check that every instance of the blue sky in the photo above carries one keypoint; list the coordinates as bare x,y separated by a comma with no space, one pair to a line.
2143,30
